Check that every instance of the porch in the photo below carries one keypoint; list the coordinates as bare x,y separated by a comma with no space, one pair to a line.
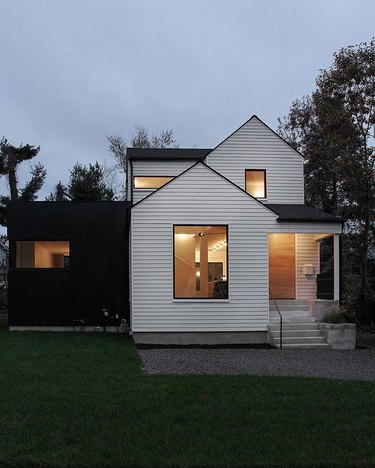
295,267
295,283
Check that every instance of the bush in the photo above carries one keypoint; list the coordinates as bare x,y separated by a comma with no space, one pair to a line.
338,317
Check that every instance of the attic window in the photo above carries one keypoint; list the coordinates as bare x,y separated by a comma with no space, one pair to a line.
150,182
256,182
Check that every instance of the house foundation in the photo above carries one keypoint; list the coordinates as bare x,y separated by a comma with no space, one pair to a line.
201,338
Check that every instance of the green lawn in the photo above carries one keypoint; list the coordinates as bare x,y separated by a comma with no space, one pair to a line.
82,400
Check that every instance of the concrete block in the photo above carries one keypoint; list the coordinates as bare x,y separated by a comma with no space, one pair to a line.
339,335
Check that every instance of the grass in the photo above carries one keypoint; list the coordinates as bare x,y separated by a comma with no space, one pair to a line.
83,400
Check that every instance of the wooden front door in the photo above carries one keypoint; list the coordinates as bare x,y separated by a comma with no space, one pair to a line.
282,266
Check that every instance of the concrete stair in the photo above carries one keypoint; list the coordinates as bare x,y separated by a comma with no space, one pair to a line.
299,327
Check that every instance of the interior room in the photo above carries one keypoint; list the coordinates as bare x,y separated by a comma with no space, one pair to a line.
42,254
200,262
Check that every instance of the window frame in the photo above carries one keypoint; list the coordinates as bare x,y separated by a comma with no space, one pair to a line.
203,299
152,176
265,182
13,262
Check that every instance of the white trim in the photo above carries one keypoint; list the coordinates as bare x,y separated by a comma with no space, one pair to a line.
336,267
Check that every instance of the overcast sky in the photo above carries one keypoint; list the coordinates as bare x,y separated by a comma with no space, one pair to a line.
72,72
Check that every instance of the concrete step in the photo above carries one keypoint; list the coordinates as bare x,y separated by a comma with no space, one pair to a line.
289,301
291,314
306,346
296,319
296,333
290,306
301,340
295,326
299,327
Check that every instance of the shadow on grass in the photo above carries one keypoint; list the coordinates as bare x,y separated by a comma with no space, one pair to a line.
3,322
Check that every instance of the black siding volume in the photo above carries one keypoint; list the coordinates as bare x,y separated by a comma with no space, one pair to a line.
98,274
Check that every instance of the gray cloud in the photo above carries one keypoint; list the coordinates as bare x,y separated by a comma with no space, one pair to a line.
73,71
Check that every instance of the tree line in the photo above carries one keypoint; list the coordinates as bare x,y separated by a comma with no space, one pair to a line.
92,182
334,129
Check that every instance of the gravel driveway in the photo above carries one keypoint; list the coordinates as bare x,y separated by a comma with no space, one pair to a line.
358,364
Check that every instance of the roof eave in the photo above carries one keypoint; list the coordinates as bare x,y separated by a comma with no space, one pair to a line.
311,220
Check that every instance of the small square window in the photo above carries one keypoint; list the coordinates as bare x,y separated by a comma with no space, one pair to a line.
256,182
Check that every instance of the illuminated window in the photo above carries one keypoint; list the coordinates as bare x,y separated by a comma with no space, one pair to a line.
256,183
152,182
200,262
42,254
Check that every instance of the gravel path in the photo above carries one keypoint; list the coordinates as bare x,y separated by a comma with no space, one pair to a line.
358,364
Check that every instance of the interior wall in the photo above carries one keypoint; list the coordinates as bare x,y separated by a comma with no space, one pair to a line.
185,277
219,256
43,258
25,257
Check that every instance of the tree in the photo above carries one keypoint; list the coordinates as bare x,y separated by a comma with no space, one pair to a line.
140,139
88,183
59,194
117,147
334,128
10,158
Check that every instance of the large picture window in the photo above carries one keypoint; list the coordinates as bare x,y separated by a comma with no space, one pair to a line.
42,254
256,182
201,262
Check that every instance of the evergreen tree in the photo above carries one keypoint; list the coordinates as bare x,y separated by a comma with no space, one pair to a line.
10,158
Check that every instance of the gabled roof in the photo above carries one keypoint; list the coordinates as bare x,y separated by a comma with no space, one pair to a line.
194,154
265,125
217,174
288,212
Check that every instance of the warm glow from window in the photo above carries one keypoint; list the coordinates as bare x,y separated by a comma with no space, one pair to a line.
256,183
42,254
142,182
200,262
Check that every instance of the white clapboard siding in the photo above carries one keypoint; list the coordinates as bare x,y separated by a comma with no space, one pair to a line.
202,197
255,146
199,197
157,168
307,250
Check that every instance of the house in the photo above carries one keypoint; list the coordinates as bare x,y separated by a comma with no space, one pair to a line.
221,246
215,233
